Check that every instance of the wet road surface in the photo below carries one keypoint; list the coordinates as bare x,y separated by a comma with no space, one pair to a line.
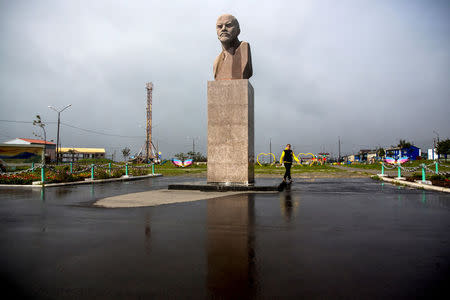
328,238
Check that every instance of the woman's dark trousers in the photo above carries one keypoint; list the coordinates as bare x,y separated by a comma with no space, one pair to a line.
287,174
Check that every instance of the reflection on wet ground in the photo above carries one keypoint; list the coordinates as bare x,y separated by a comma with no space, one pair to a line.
323,238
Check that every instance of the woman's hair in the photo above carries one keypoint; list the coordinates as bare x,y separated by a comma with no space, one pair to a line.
288,145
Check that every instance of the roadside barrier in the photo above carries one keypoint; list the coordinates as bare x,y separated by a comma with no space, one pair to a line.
32,169
423,167
43,174
75,168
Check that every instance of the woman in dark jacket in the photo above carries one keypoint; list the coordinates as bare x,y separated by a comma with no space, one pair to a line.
286,159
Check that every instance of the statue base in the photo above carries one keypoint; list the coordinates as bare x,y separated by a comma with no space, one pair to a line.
230,132
223,187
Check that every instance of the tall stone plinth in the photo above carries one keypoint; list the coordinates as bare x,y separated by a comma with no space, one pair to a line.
230,132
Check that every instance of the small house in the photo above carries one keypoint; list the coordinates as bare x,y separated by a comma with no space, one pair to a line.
75,154
411,152
50,148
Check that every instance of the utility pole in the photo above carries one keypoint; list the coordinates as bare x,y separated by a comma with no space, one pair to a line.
148,142
193,141
436,145
58,146
270,150
339,142
432,150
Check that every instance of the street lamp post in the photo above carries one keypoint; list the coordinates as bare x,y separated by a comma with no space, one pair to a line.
437,134
57,134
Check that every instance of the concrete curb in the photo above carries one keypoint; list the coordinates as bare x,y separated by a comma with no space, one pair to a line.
80,182
414,184
222,188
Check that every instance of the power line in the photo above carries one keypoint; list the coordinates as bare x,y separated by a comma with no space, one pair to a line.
79,128
28,122
102,133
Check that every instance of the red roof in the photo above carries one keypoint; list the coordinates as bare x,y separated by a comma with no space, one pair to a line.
37,141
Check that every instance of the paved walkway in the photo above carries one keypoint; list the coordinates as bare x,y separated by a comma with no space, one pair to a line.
350,238
158,197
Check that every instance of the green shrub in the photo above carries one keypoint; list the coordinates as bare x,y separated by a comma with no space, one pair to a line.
102,174
439,177
118,173
416,176
138,172
61,176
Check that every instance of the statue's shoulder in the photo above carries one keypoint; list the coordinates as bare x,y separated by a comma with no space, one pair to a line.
217,62
244,45
220,56
246,59
218,59
244,48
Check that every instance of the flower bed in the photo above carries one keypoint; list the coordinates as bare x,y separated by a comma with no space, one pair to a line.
62,174
436,180
23,178
440,180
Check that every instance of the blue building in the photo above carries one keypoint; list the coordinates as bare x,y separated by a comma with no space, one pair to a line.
411,152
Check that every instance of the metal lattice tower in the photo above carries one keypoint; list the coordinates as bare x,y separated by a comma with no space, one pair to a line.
148,143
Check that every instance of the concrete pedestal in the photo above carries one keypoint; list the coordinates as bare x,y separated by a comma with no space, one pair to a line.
230,132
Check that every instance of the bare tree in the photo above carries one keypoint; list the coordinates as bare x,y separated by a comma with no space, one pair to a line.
126,153
443,148
404,144
72,152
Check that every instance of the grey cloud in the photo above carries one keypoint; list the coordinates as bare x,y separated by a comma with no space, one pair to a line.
370,72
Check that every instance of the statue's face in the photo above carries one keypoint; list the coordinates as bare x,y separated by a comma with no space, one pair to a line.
227,28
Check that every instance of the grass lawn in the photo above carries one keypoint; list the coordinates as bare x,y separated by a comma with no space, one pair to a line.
296,169
375,166
171,170
168,169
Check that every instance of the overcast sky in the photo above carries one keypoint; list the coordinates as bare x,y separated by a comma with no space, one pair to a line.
371,72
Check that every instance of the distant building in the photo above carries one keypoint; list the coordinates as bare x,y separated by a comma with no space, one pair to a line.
50,148
432,154
371,156
352,158
21,153
75,154
412,152
365,153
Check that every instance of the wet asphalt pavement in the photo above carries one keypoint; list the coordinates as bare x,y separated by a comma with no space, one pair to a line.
329,238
